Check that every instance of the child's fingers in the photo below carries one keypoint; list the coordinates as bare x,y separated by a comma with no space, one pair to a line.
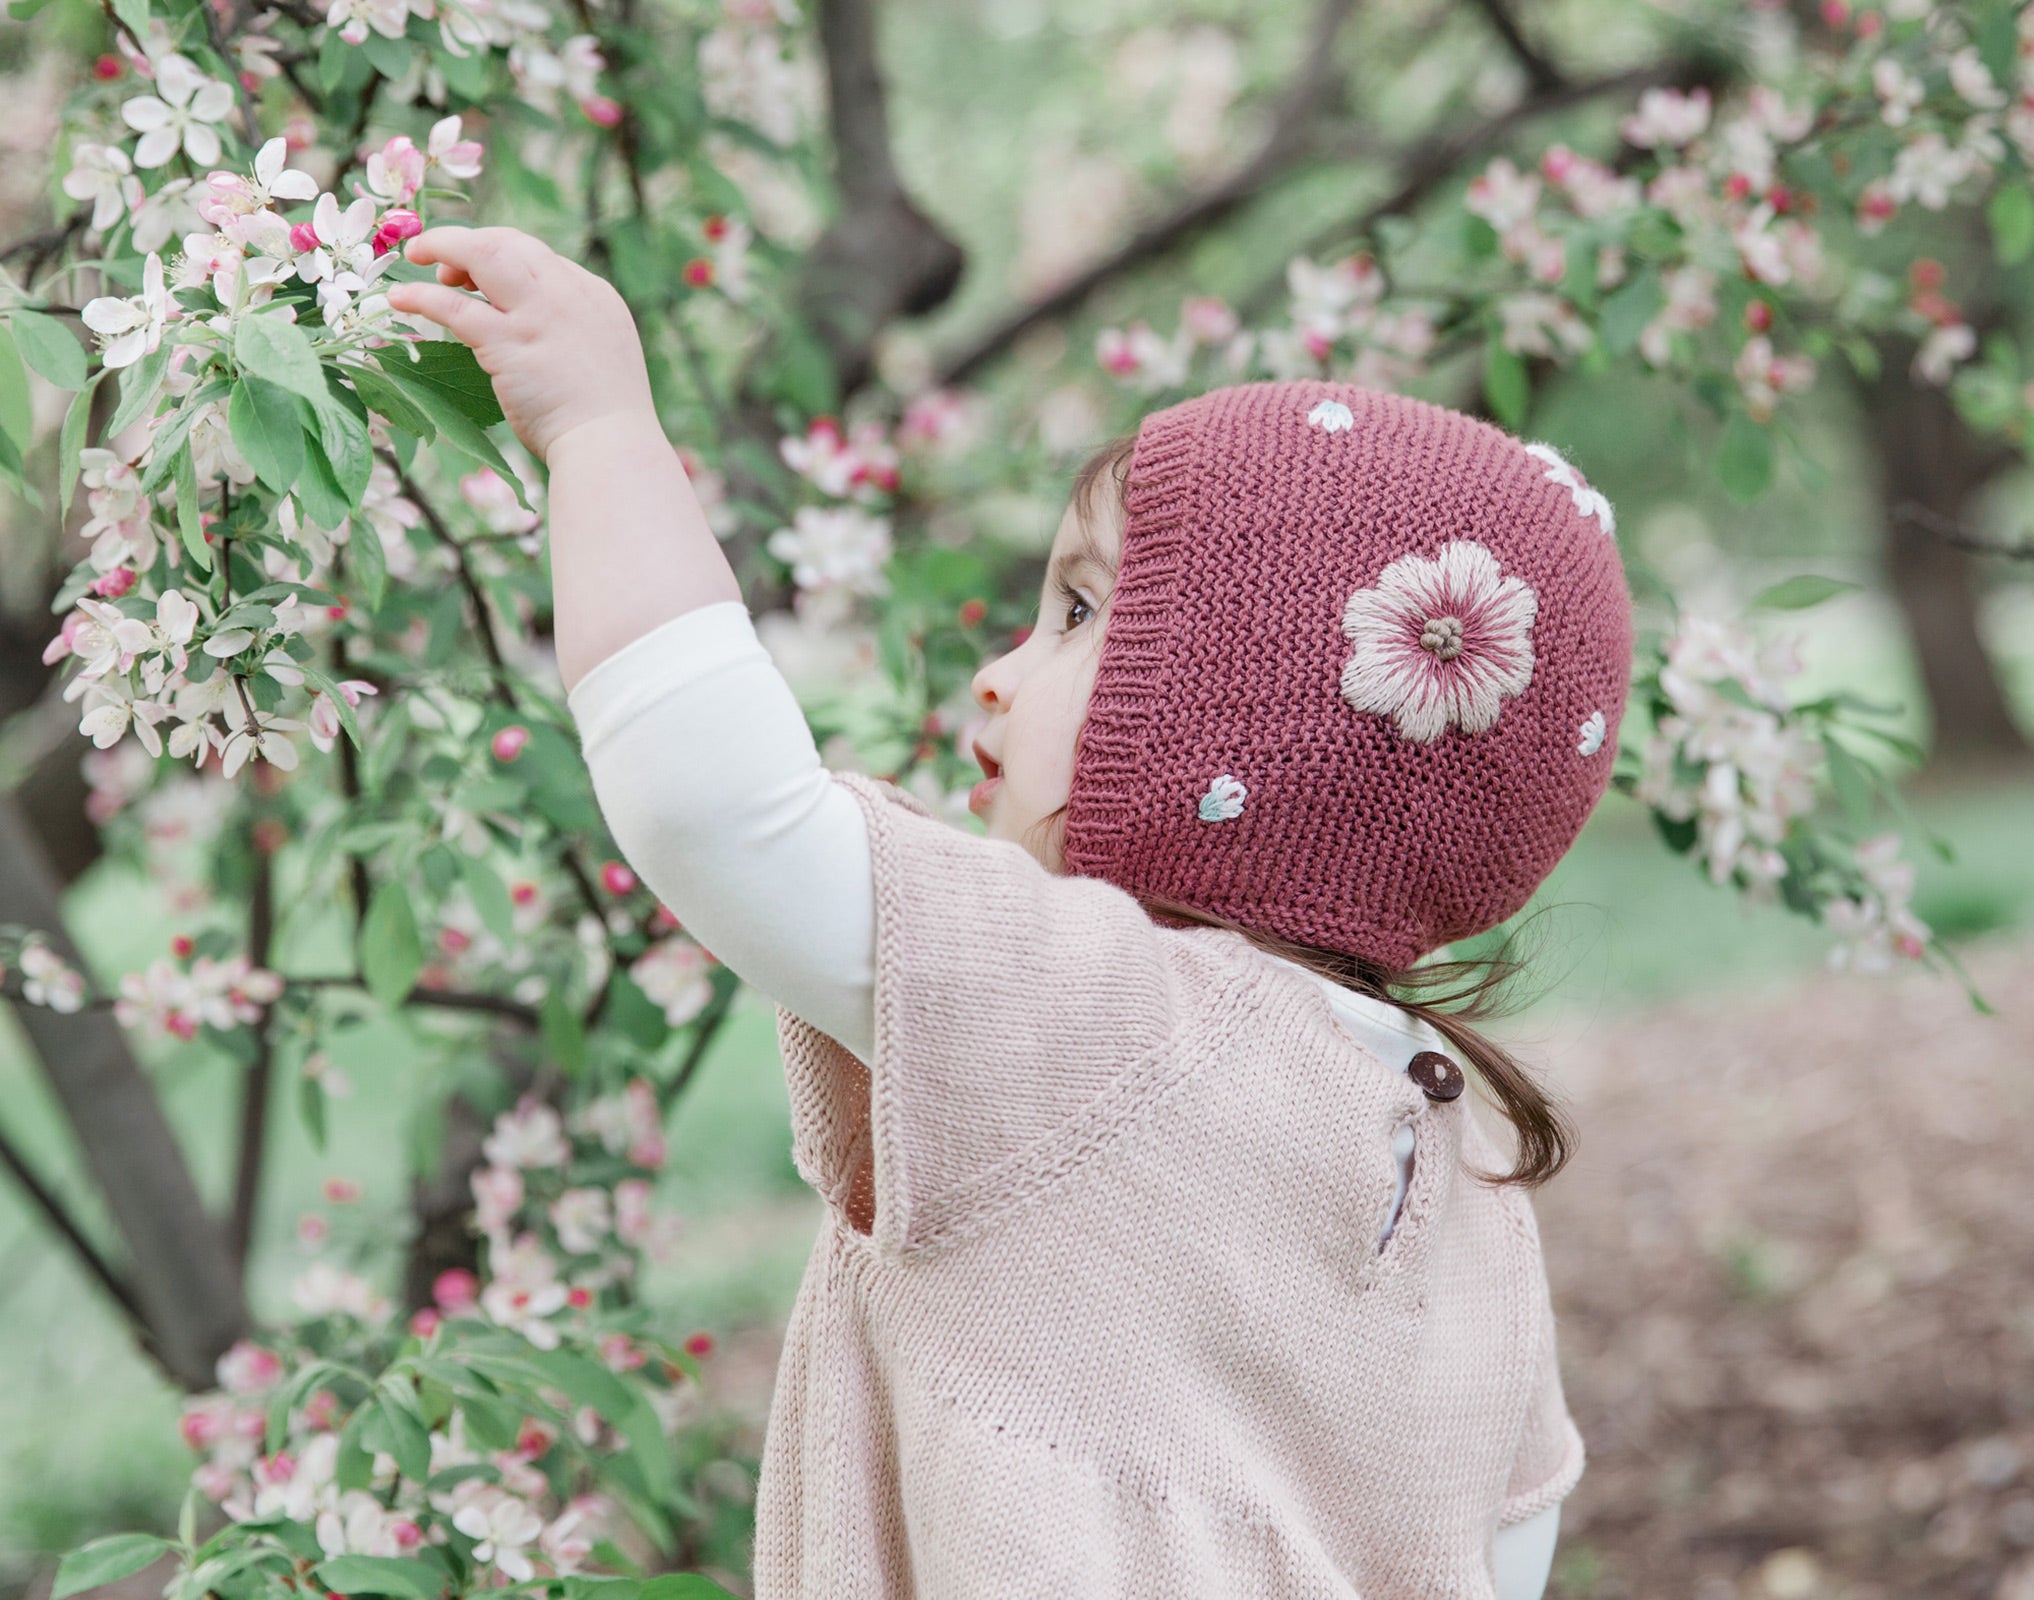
503,263
470,320
454,277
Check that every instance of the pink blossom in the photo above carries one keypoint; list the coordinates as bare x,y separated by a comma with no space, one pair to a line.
460,158
395,172
497,1196
1667,117
455,1290
248,1368
395,227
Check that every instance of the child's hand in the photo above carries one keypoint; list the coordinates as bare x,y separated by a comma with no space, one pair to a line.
557,340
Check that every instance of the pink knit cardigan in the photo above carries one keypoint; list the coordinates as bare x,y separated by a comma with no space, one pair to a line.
1099,1311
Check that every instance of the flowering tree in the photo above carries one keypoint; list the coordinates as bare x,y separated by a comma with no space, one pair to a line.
307,637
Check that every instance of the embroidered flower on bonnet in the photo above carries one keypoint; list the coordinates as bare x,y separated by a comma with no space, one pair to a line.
1588,501
1439,643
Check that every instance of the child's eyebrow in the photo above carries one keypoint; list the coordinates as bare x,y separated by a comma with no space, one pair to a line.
1085,553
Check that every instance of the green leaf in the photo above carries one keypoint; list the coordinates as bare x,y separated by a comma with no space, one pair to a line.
271,347
190,524
451,369
391,952
318,493
1744,458
455,427
140,387
49,347
411,1580
343,438
118,1555
399,1433
17,406
367,560
1504,384
1851,780
2011,214
311,1107
564,1033
384,398
265,424
490,897
71,442
389,57
1625,313
1797,594
683,1586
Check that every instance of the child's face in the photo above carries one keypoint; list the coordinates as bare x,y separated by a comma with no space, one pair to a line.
1037,695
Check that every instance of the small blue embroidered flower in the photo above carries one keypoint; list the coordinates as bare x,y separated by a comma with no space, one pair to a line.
1593,729
1224,799
1332,416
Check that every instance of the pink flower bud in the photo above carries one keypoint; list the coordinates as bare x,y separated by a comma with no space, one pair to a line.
577,1298
523,892
182,1024
425,1323
112,585
700,1344
509,742
183,946
601,110
616,878
406,1534
341,1191
455,1289
396,226
107,68
303,238
452,941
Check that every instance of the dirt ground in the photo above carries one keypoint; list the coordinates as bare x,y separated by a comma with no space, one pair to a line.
1793,1266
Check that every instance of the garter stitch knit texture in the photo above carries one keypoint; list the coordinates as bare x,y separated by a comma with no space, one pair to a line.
1099,1311
1496,613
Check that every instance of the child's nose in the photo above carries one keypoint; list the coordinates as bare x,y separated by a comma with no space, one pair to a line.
992,686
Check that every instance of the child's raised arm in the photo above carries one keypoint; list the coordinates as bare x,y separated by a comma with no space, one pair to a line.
630,546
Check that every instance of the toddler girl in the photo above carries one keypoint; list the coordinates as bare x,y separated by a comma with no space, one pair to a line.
1163,1256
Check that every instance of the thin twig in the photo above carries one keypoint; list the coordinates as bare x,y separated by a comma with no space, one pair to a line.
255,1087
1950,531
1542,73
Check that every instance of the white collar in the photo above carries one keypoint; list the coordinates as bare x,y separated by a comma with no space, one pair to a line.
1393,1035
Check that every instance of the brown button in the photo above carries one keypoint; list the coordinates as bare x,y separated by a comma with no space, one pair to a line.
1437,1075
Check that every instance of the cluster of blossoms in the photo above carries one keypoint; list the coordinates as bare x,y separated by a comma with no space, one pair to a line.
1713,217
46,978
1732,755
1727,754
838,551
554,1241
178,999
1875,925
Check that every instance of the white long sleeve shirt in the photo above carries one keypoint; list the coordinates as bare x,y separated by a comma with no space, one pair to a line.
708,776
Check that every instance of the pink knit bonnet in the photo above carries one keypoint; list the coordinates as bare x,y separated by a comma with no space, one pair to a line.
1364,667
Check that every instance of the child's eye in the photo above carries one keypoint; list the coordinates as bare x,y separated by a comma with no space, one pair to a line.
1070,601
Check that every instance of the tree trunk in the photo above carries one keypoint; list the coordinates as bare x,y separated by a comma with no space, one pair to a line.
179,1268
1926,457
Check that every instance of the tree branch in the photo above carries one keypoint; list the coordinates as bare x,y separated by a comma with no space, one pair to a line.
1428,164
1541,72
1285,146
1913,514
67,1228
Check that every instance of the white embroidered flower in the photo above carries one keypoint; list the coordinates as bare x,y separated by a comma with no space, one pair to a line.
1587,500
1593,730
1331,416
1439,643
1224,798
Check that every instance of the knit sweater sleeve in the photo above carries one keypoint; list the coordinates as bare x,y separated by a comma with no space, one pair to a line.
1550,1455
1013,1009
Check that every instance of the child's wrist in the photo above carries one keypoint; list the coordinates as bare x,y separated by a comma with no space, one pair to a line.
628,427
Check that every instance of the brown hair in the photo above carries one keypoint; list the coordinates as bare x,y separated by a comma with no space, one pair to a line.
1447,995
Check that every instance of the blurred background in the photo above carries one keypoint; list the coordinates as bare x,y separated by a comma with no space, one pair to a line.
1794,1260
